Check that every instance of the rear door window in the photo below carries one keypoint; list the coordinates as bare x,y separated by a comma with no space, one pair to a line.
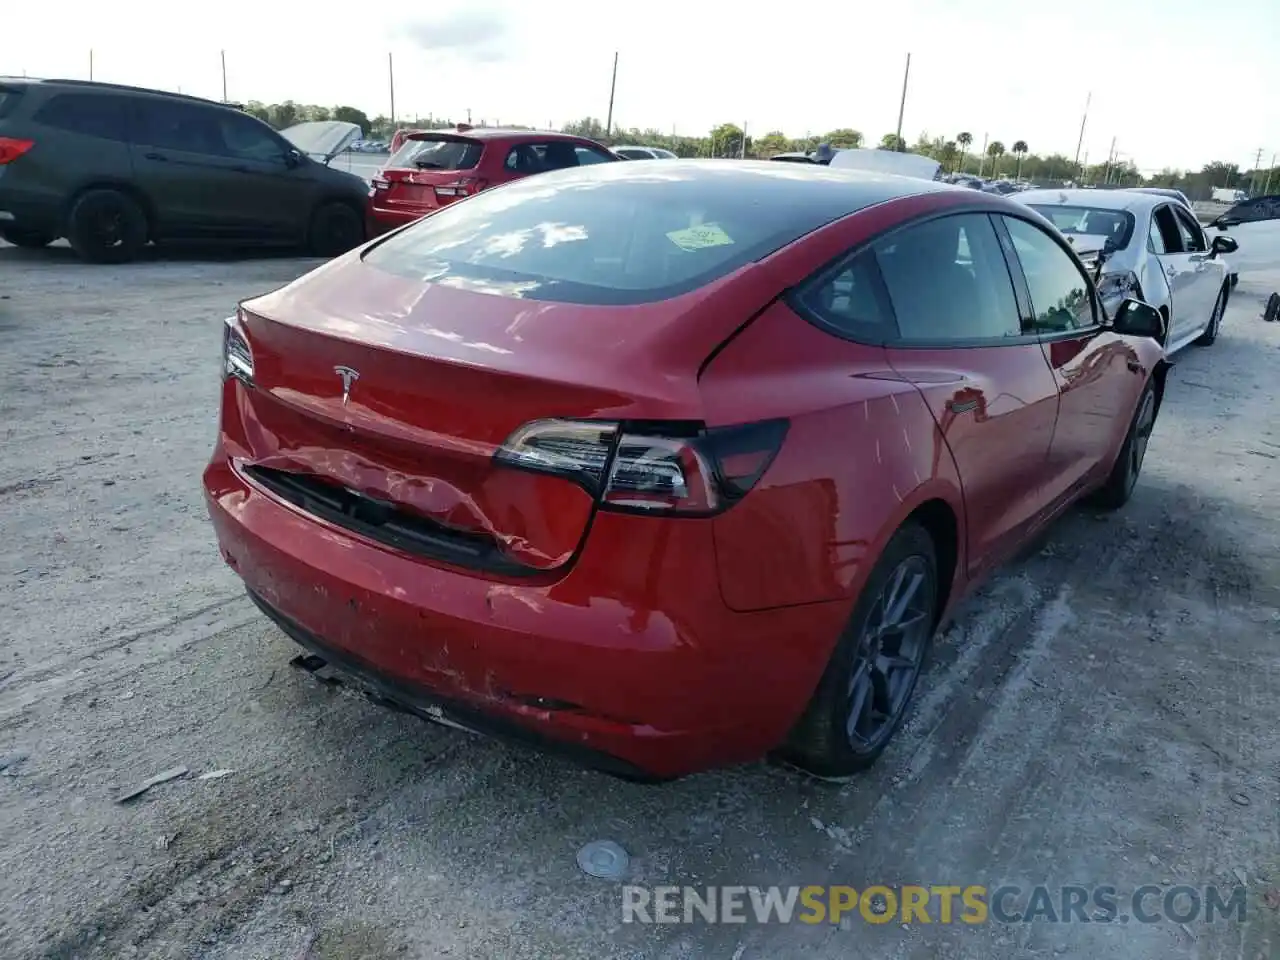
9,100
170,125
437,153
529,158
592,237
94,115
948,281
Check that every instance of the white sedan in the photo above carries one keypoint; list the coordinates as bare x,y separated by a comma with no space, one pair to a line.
1154,250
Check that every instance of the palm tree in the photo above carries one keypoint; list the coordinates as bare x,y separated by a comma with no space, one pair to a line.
964,139
995,151
1020,150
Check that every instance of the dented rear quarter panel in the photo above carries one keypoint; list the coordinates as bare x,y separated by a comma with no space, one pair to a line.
862,452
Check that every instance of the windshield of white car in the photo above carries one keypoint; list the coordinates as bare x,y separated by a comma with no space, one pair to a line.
1115,225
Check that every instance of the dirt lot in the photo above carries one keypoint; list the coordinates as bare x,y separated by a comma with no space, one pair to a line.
1105,713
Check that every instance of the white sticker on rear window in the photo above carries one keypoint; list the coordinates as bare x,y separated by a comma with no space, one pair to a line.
700,237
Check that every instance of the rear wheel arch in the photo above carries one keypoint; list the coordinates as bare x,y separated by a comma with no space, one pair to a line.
940,521
129,190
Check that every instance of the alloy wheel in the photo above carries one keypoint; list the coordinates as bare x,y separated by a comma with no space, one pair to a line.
889,654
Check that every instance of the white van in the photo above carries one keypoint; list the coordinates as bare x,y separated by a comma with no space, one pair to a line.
887,161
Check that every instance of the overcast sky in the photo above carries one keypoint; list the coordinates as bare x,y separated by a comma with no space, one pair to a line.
1177,82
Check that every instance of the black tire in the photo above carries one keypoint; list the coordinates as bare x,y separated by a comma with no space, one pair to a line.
335,229
1115,493
27,239
106,226
1272,312
1210,334
825,742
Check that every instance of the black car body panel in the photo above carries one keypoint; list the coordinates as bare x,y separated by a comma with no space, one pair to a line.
198,169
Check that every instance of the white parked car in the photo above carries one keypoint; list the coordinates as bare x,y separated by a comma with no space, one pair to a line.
644,153
1153,249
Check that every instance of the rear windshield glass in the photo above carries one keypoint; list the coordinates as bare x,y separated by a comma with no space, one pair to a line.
8,99
428,153
1115,225
593,237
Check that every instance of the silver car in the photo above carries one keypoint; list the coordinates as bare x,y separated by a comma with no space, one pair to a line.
1153,248
644,153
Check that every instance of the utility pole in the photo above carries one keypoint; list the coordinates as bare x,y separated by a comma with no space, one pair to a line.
1110,156
1253,175
742,154
224,75
982,158
391,82
613,86
902,106
1080,141
1266,187
468,116
91,64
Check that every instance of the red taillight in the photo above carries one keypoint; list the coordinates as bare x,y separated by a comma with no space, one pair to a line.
682,469
11,149
463,187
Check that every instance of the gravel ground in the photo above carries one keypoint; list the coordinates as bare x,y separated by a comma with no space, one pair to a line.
1105,712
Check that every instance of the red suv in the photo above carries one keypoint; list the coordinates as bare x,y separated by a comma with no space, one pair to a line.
433,167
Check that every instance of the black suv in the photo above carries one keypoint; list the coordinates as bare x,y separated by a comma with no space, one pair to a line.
112,167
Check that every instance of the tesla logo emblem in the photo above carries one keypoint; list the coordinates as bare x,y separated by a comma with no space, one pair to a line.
349,377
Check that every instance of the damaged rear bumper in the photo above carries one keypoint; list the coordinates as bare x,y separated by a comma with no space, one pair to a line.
429,706
630,661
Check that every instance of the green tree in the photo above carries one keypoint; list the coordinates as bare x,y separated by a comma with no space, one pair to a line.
1019,151
352,115
963,138
726,141
588,127
283,115
258,109
772,144
995,151
891,141
844,138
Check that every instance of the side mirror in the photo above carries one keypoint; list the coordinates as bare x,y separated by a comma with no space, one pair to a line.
1135,318
293,158
1224,244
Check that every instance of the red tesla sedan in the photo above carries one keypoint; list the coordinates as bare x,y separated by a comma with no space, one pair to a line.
670,466
431,168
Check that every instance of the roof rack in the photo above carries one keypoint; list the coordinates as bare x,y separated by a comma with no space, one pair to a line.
133,89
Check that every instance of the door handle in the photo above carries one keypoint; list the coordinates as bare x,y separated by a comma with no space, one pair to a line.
155,156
